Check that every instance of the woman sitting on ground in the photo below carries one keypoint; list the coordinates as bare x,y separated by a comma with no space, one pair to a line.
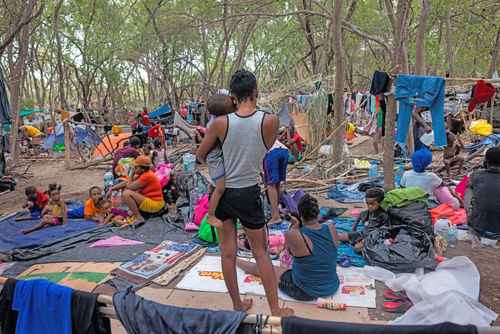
419,177
314,250
143,191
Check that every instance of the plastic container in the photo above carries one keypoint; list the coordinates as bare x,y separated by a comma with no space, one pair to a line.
189,162
373,171
451,236
399,174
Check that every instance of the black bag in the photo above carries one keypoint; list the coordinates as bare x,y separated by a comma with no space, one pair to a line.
415,215
404,253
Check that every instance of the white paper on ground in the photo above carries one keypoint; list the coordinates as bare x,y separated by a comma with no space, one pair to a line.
356,289
451,306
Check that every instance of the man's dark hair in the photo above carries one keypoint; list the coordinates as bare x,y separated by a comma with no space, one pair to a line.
375,193
492,157
219,105
30,191
243,85
308,208
134,142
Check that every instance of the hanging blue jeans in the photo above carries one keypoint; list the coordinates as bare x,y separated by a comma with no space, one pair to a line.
422,92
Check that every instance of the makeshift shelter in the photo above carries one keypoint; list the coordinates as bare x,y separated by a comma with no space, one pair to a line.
110,143
160,112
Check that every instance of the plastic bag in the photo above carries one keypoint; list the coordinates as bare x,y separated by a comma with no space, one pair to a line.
379,274
398,250
207,233
481,127
457,274
450,306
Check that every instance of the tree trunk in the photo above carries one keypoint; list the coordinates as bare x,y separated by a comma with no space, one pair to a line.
494,55
338,141
62,96
449,45
420,40
399,58
17,80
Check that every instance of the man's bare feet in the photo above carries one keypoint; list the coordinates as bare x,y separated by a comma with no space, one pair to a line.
213,221
246,304
283,312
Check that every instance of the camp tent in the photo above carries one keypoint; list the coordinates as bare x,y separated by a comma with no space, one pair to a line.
109,143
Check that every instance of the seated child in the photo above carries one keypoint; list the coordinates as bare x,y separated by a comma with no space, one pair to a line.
372,219
112,215
314,250
451,154
36,200
418,177
481,198
54,213
218,105
91,210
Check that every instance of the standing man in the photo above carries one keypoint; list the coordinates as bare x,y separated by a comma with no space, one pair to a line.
275,164
246,136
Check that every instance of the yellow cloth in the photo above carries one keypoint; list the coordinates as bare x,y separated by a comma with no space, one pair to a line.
31,131
481,127
361,164
116,130
150,206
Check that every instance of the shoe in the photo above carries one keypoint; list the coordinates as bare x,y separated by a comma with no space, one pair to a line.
397,306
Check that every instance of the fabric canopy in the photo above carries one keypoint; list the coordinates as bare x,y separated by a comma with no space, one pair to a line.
110,143
28,112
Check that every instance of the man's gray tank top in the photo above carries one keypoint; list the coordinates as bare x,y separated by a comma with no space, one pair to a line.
244,150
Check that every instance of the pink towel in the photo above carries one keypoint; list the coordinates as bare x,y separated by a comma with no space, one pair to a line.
115,241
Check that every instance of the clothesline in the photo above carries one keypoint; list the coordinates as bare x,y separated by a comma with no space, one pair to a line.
109,312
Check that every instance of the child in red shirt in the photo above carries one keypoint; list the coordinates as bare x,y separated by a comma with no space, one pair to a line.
36,200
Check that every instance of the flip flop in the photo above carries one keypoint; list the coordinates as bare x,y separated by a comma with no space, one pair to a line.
397,306
390,295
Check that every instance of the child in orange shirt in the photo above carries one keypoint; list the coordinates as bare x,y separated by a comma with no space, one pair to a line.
91,210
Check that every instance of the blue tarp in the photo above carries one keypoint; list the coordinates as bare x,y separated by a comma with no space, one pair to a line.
345,250
56,138
12,237
344,193
161,111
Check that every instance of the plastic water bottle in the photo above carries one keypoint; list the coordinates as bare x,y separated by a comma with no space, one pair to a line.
399,174
451,236
108,180
188,162
373,171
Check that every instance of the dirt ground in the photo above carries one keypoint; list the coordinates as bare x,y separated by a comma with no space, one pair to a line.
41,173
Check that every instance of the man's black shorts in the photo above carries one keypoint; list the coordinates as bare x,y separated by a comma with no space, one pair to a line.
244,204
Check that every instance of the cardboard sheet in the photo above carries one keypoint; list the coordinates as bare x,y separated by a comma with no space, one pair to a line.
356,289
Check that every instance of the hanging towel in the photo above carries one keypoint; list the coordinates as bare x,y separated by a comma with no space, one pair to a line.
44,307
422,92
85,315
8,318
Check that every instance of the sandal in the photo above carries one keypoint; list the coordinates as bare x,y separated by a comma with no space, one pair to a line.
390,295
397,306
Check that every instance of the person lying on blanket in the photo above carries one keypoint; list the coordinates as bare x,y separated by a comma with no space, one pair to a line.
372,218
112,215
314,250
142,192
36,200
54,213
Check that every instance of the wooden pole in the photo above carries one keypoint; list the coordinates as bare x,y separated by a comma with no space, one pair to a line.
390,124
67,145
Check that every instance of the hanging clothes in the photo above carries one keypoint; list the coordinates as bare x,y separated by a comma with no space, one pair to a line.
139,315
8,318
381,83
481,92
421,92
85,315
296,325
43,307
